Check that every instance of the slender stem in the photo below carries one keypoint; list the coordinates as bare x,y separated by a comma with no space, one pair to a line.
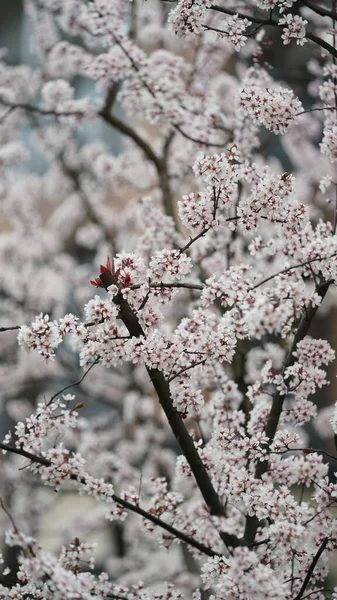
229,11
163,284
16,327
68,387
302,264
194,239
9,515
199,362
318,109
198,140
305,451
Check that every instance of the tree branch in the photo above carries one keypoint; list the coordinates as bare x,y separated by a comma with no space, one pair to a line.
199,362
311,568
10,328
278,399
179,430
310,36
128,505
159,162
71,385
163,284
230,12
324,12
115,122
302,264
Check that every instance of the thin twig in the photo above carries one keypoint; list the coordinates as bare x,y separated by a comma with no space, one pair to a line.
42,111
11,328
9,515
305,451
199,362
302,264
68,387
163,284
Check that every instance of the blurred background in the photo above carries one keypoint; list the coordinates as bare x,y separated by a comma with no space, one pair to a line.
15,38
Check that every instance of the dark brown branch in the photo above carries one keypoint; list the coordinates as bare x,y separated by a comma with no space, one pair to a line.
178,428
176,126
115,122
6,113
305,451
8,515
198,140
194,239
199,362
128,505
230,12
207,228
42,111
165,185
312,568
278,399
310,36
16,327
324,12
160,523
317,40
163,284
21,452
160,163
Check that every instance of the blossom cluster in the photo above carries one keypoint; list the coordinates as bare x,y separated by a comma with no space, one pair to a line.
294,28
185,19
274,107
43,335
234,29
55,464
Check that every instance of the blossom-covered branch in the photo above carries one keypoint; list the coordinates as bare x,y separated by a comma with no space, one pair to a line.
162,388
122,502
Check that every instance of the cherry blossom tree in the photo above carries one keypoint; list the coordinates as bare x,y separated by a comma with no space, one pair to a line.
158,302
